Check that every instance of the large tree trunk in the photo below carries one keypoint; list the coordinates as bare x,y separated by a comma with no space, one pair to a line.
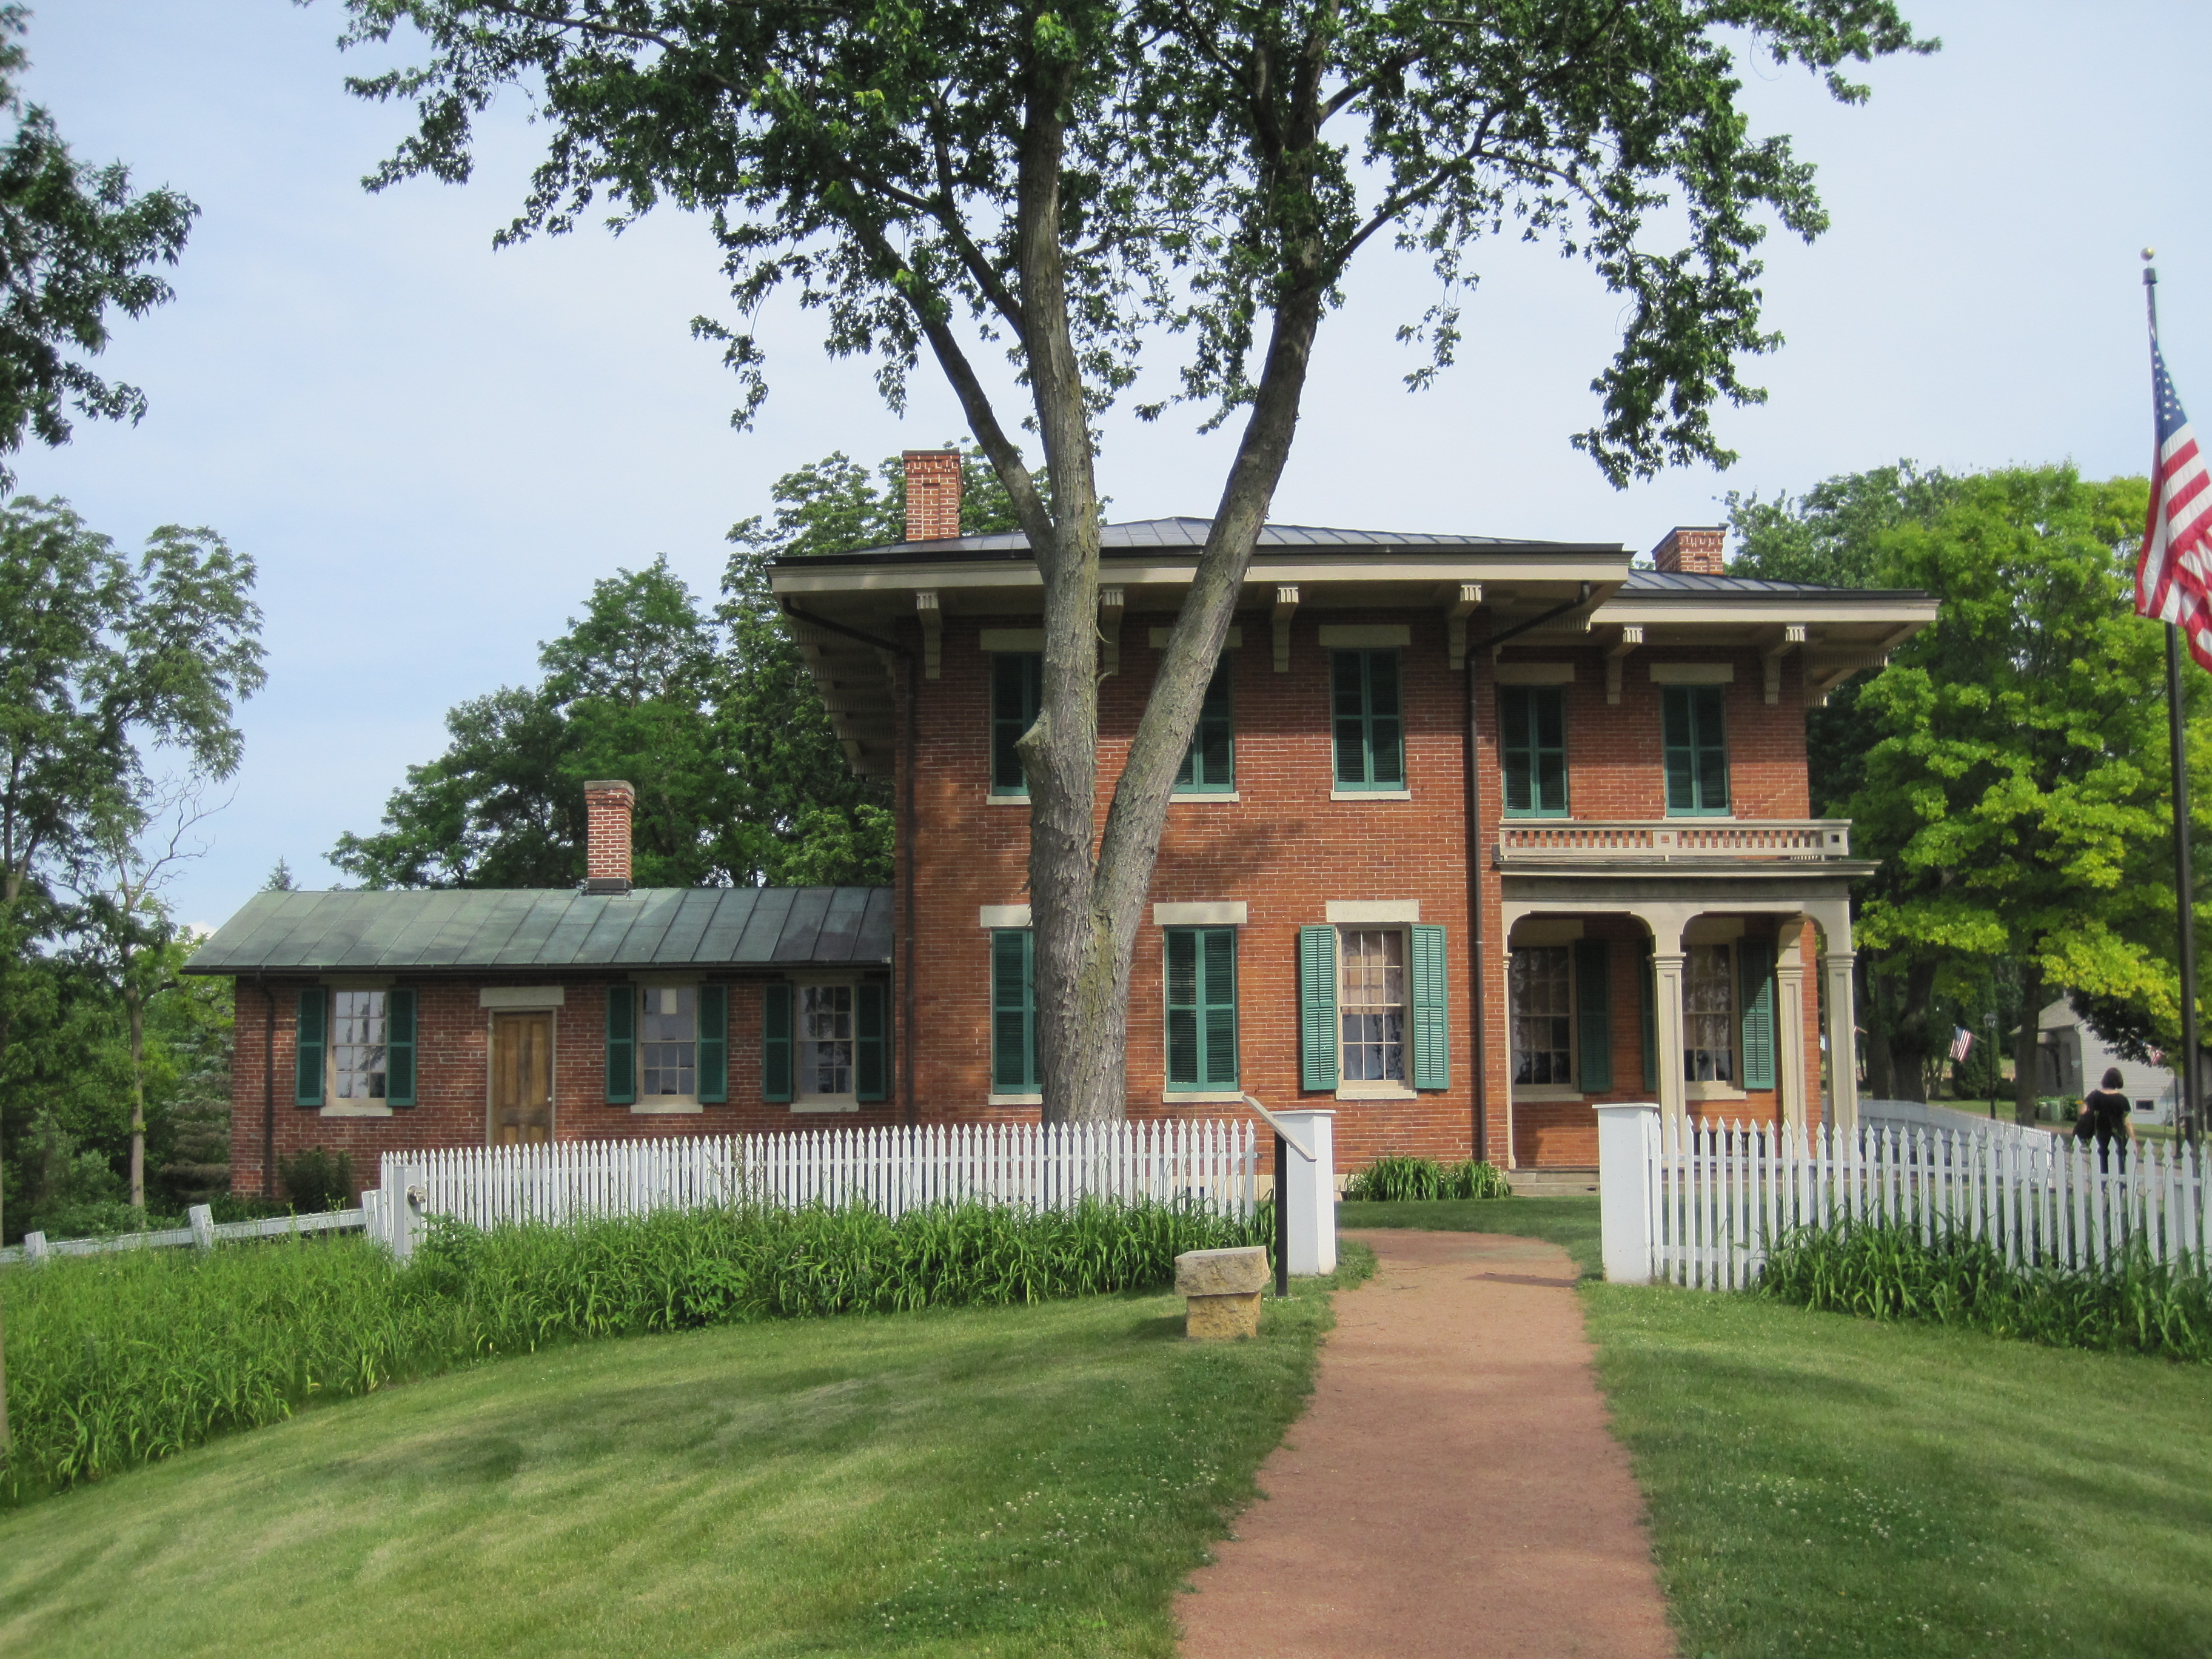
2023,1043
1087,909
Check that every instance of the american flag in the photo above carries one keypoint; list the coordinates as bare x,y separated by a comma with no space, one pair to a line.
2173,577
1962,1044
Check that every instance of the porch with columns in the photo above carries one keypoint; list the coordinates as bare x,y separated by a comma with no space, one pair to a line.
1670,912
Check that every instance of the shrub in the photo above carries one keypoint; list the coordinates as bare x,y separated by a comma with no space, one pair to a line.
116,1360
317,1181
1396,1178
1889,1270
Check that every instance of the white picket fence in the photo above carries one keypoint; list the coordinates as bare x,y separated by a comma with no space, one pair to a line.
1710,1200
1212,1162
203,1231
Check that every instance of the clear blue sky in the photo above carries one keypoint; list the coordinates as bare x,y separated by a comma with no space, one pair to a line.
432,450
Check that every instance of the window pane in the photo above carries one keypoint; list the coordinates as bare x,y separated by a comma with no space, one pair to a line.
1551,781
1709,1015
1389,757
358,1034
1371,1005
825,1040
1542,996
1013,711
668,1041
1383,683
1551,728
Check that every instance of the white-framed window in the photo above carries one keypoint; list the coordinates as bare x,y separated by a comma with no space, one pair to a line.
1709,1045
825,1039
358,1031
1542,990
1371,1004
668,1044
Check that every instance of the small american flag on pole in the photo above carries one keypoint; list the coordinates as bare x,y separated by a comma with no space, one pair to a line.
1962,1044
2173,577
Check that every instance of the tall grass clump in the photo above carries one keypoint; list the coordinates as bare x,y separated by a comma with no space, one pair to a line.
116,1360
1887,1270
1395,1178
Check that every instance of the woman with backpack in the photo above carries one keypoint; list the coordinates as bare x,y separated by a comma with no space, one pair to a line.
2105,1117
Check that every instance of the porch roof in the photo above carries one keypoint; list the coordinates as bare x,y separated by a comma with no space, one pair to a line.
459,930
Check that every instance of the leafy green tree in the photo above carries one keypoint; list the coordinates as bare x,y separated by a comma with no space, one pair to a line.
1077,183
1833,536
75,243
2019,780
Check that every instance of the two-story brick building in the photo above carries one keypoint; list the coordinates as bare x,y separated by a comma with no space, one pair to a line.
1475,833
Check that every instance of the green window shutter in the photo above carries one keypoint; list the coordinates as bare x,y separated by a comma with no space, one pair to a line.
1593,1016
1709,706
713,1044
1681,756
1209,765
313,1025
1549,712
1431,1010
1755,962
1201,1007
1646,984
1516,754
776,1062
399,1045
1385,737
1013,1010
1184,1069
1348,721
871,1042
1017,680
1317,1007
1218,956
621,1045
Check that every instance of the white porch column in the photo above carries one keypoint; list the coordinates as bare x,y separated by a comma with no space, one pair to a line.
1789,1023
1667,959
1843,1043
1505,983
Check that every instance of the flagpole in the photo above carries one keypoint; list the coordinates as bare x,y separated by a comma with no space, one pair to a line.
2185,885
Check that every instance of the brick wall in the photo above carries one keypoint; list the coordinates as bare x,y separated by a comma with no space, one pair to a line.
1285,849
452,1080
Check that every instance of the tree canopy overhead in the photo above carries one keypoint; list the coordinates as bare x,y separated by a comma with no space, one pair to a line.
1069,182
76,242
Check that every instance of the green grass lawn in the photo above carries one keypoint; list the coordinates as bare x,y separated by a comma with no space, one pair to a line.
1011,1481
1821,1485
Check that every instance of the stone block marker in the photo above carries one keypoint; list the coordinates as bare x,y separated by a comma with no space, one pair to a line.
1221,1292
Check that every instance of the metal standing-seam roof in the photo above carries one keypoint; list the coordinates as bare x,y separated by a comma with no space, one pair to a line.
474,930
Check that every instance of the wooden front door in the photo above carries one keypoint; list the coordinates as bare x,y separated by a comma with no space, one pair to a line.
521,1079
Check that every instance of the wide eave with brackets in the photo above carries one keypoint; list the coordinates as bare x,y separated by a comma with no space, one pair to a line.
848,611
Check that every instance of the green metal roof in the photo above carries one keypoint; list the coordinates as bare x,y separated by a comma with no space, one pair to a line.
454,930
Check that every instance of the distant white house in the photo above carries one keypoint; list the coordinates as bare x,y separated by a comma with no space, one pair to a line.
2070,1060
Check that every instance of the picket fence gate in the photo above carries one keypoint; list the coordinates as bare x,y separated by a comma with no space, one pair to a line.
1212,1162
1716,1197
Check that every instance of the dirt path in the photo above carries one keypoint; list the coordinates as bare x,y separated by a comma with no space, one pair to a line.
1454,1489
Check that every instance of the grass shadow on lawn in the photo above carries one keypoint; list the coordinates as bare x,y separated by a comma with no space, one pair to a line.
1014,1481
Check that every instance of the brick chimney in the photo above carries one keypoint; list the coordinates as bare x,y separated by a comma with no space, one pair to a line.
1692,549
932,495
607,804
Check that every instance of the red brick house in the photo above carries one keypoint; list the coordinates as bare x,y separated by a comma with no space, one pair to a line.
1475,833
